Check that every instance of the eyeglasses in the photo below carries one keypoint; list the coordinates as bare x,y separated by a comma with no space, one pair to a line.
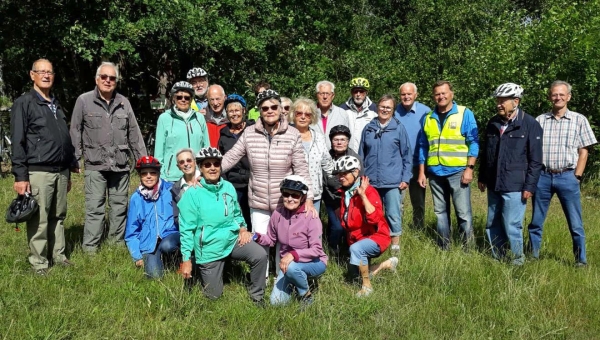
106,76
324,94
295,195
183,161
359,91
208,165
199,82
287,107
340,140
305,114
43,73
146,173
186,98
385,108
266,108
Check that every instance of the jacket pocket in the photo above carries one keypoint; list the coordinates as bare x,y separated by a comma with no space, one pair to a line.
122,155
93,154
120,121
93,120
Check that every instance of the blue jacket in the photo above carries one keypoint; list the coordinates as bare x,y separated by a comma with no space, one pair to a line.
386,153
512,162
147,220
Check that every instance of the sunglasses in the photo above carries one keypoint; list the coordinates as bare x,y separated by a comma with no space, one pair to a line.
186,98
146,173
287,107
295,195
208,165
266,108
106,76
183,161
305,114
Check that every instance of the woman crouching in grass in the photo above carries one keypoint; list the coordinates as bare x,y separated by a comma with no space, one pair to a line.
151,234
211,223
299,234
361,214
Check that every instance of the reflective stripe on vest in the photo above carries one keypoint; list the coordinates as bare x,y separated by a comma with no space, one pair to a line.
447,148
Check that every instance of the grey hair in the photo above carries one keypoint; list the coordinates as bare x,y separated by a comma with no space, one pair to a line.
406,84
184,150
39,61
325,82
559,83
107,63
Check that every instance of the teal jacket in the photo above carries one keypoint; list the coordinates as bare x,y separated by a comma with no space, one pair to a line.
174,134
209,221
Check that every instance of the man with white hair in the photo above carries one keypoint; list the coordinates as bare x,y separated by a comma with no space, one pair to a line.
410,113
331,115
216,115
105,131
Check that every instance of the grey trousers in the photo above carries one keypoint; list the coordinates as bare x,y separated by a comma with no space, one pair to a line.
97,184
45,230
255,255
417,200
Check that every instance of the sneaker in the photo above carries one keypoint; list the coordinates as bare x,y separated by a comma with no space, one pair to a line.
306,301
394,261
580,265
364,292
41,271
395,249
260,303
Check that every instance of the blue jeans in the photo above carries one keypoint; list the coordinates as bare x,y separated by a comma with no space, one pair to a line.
566,187
361,251
442,189
317,204
505,224
296,276
153,263
392,203
335,232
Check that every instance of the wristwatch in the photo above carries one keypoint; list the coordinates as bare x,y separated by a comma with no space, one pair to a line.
578,177
471,166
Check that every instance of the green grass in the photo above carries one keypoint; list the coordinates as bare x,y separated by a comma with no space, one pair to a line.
434,294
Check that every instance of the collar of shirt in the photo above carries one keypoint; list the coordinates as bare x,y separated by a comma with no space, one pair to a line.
403,110
49,102
567,115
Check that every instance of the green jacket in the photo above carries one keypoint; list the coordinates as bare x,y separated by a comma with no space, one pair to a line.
174,134
209,221
254,114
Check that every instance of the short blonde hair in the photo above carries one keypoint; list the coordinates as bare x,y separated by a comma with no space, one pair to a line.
304,102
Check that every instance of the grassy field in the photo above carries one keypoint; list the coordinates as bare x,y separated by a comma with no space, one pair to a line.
434,294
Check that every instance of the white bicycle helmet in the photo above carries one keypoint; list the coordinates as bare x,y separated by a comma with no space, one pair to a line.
346,163
508,90
182,86
208,153
196,72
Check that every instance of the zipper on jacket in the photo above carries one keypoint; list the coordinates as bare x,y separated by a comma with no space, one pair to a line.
169,167
201,237
156,216
187,129
224,203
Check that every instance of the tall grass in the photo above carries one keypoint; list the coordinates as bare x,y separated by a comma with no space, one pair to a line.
434,294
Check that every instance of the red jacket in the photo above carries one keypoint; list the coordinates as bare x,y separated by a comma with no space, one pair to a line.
214,132
359,225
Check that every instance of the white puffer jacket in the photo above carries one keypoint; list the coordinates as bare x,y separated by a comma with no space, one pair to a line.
271,160
319,162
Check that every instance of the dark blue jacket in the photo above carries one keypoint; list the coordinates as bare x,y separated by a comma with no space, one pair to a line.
511,162
386,154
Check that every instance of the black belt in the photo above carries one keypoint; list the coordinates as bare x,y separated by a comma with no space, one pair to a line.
556,171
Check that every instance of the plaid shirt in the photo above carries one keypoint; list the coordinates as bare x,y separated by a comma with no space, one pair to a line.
564,137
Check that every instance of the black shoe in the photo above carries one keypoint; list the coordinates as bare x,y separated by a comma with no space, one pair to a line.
260,303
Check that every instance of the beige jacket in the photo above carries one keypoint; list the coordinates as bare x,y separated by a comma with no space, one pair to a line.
271,160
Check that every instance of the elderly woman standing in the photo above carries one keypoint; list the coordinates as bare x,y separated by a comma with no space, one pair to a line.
274,151
385,149
177,128
299,235
239,175
317,156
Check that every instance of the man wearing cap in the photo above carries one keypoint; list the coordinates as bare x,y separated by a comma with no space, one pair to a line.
511,161
105,132
199,80
567,137
360,110
410,113
331,115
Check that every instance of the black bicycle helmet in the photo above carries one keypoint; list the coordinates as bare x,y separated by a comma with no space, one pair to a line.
294,183
208,153
21,209
340,130
346,163
267,94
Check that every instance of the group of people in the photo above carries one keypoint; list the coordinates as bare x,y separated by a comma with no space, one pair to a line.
231,181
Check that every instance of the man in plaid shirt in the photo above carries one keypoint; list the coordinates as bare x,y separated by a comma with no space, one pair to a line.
567,135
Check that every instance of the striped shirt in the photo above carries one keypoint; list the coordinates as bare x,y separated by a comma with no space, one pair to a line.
564,137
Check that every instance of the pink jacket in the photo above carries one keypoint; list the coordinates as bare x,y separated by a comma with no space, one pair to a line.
298,233
270,162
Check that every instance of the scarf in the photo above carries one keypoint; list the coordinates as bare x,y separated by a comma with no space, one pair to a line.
150,194
350,192
184,115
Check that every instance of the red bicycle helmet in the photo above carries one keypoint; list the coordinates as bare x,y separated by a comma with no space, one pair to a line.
147,162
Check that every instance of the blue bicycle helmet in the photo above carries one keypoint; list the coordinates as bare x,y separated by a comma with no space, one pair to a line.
233,98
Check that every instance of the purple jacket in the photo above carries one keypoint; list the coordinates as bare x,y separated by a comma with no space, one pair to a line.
298,234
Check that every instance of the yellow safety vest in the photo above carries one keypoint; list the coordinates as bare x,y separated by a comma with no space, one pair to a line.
447,147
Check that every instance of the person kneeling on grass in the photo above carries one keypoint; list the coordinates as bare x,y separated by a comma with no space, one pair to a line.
151,234
211,224
299,234
361,214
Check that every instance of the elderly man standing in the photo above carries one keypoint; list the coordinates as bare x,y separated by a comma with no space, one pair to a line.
511,162
410,113
567,135
449,146
105,131
199,80
360,110
42,154
216,116
331,115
